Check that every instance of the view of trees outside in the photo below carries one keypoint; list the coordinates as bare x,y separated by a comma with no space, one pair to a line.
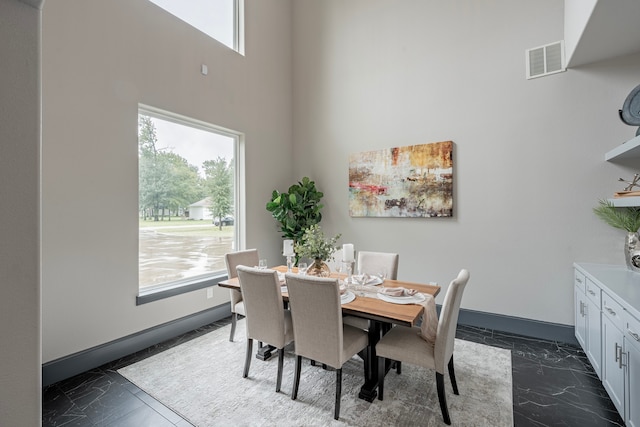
186,184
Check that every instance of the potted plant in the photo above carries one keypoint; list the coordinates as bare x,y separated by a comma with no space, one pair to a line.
315,246
624,218
297,209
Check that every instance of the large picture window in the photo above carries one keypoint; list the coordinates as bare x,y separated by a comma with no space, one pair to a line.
187,199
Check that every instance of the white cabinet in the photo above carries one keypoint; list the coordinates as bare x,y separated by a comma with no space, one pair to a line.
587,315
607,314
632,350
613,366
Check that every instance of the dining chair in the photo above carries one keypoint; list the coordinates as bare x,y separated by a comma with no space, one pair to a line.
407,344
266,319
373,263
317,325
232,260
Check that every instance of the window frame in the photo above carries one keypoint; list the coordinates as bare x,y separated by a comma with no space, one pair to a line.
190,284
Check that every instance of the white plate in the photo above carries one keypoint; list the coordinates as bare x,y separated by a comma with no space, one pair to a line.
347,297
283,288
413,299
373,281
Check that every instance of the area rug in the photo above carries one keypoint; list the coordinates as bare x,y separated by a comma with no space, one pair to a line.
202,381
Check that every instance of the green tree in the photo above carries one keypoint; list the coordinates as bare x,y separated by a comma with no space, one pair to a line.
153,177
219,184
185,184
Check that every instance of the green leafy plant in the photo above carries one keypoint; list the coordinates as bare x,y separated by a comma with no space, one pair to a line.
315,245
297,209
625,218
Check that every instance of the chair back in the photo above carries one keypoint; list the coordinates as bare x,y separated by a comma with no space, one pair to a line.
232,260
448,321
372,262
317,318
263,305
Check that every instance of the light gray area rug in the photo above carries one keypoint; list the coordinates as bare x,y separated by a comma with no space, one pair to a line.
202,381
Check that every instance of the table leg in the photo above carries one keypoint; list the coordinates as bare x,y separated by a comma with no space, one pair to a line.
265,352
369,391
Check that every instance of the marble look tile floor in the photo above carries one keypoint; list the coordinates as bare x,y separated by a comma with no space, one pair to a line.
553,385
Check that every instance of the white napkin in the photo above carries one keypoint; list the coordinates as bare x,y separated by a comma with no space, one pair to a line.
280,276
398,292
429,327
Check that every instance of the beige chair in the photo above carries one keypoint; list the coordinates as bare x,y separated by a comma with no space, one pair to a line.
232,260
405,344
266,318
373,263
318,328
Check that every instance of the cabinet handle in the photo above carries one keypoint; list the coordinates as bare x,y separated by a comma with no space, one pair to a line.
634,335
581,309
579,280
618,351
609,310
592,293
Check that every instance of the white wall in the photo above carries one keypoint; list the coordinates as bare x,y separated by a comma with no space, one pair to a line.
529,156
20,373
100,59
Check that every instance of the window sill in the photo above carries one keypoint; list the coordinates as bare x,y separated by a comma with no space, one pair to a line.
178,288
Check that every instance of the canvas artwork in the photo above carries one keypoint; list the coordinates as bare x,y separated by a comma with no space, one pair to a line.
413,181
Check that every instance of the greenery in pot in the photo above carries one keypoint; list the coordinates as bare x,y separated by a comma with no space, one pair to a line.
315,245
625,218
297,209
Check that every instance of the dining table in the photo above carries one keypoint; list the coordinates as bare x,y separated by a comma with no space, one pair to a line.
381,314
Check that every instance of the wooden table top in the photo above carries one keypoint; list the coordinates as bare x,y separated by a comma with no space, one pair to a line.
370,306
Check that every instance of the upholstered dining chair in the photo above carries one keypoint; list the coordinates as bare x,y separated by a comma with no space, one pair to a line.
372,263
232,260
407,344
317,324
266,319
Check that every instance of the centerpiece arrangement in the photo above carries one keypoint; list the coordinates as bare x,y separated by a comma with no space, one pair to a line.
627,219
315,246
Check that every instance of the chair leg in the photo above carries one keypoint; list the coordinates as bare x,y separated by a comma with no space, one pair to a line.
452,376
234,319
381,372
247,358
398,367
336,414
280,363
296,378
442,398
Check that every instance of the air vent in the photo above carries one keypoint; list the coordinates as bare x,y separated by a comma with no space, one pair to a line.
545,60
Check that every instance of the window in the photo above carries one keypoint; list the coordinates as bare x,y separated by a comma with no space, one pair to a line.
188,201
220,19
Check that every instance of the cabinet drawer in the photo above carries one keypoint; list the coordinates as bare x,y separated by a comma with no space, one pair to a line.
593,292
613,311
579,280
633,328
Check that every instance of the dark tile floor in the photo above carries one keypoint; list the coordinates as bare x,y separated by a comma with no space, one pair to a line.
553,385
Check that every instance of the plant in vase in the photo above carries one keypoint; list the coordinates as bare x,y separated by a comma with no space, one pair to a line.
315,246
624,218
297,209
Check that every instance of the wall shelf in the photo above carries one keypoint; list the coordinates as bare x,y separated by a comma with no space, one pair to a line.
627,150
624,202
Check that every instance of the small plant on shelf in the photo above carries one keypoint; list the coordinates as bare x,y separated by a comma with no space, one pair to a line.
624,218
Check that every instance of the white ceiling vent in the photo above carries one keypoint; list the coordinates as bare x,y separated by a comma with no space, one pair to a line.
545,60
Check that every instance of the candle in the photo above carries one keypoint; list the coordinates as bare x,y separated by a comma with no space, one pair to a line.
288,248
347,252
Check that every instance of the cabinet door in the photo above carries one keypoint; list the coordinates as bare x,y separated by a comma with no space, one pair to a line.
632,347
593,336
613,372
580,317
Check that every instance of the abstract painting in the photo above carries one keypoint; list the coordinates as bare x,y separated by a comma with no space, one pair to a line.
413,181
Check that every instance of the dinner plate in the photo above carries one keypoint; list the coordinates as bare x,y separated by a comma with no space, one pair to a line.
405,299
347,297
283,288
